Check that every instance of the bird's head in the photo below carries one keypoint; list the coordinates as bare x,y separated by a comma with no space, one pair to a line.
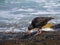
30,27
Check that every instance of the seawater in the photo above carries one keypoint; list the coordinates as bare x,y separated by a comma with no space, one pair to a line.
17,14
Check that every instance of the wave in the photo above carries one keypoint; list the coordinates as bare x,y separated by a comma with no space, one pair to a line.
19,13
46,13
26,10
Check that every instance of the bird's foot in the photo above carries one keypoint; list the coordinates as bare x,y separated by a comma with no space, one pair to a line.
38,33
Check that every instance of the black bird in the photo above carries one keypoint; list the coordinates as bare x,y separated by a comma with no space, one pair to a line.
38,23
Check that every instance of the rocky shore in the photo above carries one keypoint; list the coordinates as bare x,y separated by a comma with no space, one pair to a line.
45,38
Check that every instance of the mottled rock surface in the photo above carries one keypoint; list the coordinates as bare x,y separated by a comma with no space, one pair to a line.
45,38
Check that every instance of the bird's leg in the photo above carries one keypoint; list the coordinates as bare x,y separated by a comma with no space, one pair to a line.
38,32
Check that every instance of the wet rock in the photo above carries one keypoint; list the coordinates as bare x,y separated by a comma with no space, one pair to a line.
46,38
57,26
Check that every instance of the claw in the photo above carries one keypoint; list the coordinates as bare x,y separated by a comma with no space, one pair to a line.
38,32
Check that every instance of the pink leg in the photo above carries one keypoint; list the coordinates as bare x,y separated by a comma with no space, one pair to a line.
38,32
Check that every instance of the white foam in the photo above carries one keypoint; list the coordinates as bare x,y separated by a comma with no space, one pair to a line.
29,22
51,5
7,31
10,17
38,1
6,14
40,12
12,2
15,30
13,9
29,10
24,29
3,29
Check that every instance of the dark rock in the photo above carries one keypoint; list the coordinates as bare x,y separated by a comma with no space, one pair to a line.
57,26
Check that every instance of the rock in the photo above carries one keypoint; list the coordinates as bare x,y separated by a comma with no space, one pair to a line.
46,38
